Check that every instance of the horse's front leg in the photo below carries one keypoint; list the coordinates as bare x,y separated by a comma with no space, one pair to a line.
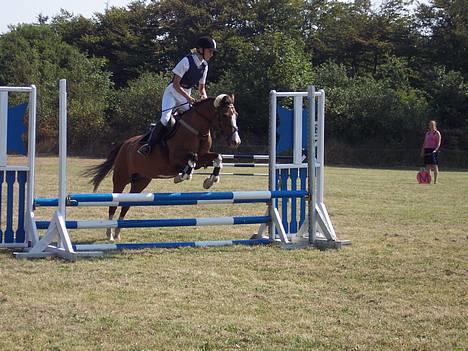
211,159
187,171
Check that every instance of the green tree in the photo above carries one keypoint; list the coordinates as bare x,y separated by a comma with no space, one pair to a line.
449,98
125,36
35,54
364,110
442,25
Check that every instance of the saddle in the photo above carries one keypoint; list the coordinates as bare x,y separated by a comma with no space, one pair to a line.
171,129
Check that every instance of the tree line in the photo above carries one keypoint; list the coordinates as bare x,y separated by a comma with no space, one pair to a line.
386,70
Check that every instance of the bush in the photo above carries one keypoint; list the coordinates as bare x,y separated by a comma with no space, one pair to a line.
135,107
366,110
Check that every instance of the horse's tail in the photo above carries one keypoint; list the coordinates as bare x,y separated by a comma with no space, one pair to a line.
100,171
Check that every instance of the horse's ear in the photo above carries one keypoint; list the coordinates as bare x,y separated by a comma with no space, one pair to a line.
232,97
218,100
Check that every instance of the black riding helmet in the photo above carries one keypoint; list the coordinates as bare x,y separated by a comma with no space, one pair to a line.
206,43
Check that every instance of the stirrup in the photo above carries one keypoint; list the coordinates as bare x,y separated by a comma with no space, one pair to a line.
144,150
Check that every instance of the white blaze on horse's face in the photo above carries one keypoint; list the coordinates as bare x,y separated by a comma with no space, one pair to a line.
235,139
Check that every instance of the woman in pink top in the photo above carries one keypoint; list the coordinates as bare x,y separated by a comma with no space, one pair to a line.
430,149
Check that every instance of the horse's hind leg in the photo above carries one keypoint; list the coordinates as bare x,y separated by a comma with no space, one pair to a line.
118,187
186,173
138,184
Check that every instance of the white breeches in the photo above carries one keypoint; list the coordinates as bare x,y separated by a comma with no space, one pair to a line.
171,98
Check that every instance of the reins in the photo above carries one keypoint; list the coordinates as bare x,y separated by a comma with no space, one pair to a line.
210,122
193,130
174,107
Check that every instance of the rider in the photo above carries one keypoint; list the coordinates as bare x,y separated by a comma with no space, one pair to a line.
188,73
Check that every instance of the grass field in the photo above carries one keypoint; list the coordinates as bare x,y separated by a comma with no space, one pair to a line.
401,285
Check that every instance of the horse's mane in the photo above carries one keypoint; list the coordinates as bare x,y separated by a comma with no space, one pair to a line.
200,102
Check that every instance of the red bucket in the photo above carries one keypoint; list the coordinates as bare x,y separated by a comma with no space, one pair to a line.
423,177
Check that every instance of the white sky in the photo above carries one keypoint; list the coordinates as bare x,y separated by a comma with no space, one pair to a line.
26,11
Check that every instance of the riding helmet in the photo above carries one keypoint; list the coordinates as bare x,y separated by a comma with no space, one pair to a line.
206,43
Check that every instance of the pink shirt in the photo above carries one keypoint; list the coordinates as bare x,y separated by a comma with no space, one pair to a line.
431,140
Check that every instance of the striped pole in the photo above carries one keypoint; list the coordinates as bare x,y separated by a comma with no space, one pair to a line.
194,196
253,157
53,202
235,174
168,245
160,223
245,165
166,199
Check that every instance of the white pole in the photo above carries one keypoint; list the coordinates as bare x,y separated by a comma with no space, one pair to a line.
62,147
312,215
272,160
31,148
321,144
297,132
3,127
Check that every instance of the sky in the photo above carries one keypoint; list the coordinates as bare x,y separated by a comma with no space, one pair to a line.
26,11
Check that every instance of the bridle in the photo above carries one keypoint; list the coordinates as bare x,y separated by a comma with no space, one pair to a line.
219,115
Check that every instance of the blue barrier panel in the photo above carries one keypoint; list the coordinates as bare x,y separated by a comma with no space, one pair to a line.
16,130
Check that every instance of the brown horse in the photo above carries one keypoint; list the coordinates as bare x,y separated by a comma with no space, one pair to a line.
188,148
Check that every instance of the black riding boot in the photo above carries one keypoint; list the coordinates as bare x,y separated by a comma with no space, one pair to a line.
156,135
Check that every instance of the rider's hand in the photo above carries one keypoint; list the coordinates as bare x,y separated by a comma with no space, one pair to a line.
191,100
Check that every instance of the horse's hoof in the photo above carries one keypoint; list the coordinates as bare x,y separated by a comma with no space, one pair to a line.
208,183
109,235
181,177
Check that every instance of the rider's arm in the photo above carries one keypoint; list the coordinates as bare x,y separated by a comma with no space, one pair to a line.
178,88
202,90
439,141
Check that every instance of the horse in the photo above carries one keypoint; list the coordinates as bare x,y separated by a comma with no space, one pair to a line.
185,149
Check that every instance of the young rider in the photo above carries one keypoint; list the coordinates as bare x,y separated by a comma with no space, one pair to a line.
190,72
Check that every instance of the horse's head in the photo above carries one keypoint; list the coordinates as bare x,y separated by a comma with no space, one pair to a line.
227,119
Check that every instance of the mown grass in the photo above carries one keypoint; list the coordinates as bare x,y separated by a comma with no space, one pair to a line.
400,286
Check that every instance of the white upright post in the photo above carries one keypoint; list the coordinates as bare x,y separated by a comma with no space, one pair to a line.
312,215
31,148
62,148
31,230
62,192
321,144
297,132
3,127
272,159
